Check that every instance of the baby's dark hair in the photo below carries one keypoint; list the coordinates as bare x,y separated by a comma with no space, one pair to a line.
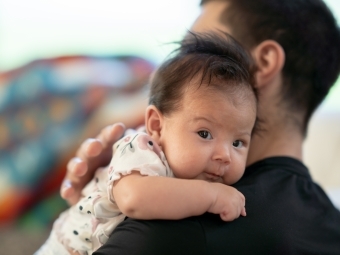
219,60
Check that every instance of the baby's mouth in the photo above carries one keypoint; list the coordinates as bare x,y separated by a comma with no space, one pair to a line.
212,177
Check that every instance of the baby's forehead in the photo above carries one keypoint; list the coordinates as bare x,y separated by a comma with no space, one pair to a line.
219,95
206,109
234,91
220,105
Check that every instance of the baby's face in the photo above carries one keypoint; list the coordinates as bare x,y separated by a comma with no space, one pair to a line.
209,137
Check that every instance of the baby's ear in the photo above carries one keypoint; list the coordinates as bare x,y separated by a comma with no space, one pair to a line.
153,122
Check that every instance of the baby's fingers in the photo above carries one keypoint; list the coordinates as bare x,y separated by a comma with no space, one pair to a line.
243,205
243,211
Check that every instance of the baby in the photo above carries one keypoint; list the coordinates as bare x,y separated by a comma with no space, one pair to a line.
198,127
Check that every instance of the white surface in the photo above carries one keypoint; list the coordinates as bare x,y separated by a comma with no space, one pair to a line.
322,150
322,147
45,28
334,195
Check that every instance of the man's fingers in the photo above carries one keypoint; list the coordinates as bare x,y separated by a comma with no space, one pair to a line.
107,137
66,190
92,147
76,167
89,148
92,153
111,134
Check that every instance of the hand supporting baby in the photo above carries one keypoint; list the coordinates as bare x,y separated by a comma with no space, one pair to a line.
92,154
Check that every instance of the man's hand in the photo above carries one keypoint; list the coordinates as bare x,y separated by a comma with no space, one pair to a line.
229,203
92,154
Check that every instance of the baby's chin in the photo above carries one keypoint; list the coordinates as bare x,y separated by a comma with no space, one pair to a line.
231,181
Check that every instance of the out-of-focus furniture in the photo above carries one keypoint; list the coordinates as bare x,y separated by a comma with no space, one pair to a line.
47,108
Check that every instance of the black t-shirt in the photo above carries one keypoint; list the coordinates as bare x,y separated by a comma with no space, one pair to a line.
287,213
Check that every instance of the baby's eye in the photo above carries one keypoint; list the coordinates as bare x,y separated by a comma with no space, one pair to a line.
238,144
204,134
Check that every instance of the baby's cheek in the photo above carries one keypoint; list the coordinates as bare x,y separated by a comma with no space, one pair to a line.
174,165
235,174
179,155
182,165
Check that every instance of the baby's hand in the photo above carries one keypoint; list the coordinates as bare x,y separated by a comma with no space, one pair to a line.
229,203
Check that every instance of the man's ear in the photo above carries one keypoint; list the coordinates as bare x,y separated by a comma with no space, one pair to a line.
153,122
270,59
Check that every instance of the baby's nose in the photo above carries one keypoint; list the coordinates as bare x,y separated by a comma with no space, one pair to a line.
222,154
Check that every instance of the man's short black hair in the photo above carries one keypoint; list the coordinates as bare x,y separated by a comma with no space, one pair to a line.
310,37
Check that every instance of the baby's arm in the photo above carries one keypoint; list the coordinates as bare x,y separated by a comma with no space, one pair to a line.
156,197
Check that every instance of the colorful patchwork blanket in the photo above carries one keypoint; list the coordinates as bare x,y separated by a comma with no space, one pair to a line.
47,108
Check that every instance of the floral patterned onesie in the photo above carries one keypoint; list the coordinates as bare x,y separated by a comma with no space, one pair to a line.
87,225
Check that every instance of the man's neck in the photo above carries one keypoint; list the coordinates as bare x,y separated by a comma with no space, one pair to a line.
275,141
279,128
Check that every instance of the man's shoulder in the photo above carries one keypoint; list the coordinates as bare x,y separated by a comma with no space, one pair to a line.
166,237
285,205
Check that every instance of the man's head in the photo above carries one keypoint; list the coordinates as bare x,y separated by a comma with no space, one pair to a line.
308,34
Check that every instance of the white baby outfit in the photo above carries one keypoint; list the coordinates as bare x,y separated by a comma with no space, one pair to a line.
87,225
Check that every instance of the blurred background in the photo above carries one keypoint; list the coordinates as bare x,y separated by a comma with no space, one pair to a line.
69,68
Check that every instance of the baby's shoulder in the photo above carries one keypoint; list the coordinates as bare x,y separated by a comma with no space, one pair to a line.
135,141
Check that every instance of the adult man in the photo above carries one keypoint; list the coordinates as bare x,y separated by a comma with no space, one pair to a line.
295,44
